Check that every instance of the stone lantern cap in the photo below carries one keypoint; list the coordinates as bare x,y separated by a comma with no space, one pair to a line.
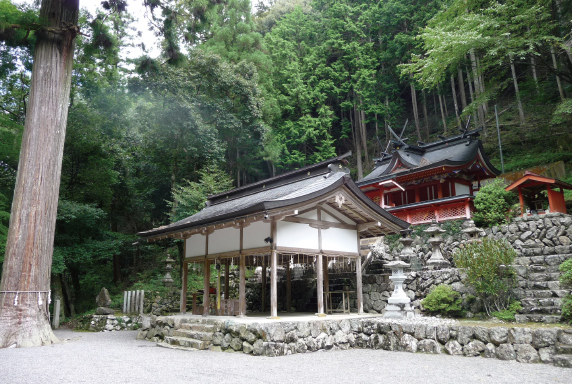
397,264
434,229
471,228
406,232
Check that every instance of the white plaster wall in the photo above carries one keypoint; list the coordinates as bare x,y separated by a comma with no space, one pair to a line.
339,240
337,215
296,235
329,218
253,236
462,189
195,245
313,215
224,240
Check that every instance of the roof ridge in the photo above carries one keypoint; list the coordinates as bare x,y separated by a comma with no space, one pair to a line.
282,176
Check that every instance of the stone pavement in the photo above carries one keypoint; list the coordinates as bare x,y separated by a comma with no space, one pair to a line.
117,357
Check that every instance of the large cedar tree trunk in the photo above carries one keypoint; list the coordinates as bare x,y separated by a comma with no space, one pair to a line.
29,247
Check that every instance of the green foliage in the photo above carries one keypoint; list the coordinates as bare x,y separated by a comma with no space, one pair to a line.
442,300
566,269
488,267
567,308
189,198
508,314
492,204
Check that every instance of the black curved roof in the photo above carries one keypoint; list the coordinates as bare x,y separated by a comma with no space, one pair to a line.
453,151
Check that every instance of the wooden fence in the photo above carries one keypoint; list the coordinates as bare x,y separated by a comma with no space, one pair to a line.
133,302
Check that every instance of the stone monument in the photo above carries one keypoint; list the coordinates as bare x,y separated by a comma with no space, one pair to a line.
407,252
167,279
103,302
398,305
437,261
472,231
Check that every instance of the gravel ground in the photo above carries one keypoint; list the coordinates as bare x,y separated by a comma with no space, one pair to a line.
116,357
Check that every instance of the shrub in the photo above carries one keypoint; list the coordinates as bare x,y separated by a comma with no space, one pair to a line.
508,314
443,300
493,204
566,279
487,264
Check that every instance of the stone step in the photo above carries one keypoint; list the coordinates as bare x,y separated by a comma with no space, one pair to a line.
191,334
552,285
541,302
165,345
562,361
537,318
545,293
198,327
179,341
546,310
563,349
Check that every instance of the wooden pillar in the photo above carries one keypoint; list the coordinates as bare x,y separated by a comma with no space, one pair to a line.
326,282
273,285
359,286
206,286
242,287
263,292
467,209
184,288
288,287
218,272
521,200
417,197
227,279
382,200
320,285
440,190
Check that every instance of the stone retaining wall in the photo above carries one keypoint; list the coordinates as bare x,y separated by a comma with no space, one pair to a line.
427,335
542,243
102,323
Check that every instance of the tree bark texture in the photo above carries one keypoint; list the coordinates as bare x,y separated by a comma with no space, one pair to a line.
555,64
516,91
425,116
442,114
455,102
25,284
462,88
415,111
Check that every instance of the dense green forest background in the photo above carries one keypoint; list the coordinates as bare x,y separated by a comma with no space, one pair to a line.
239,95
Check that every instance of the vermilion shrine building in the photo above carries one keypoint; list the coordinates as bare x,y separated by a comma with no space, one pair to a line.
425,182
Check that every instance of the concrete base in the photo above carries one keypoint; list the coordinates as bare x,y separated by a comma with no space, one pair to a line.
399,311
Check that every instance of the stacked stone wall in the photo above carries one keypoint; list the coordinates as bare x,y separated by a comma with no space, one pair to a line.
542,243
427,335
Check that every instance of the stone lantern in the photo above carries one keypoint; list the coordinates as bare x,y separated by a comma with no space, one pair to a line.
472,231
437,260
167,279
407,252
398,305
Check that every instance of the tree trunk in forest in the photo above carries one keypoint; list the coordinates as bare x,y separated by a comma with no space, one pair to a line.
25,284
482,86
442,115
434,104
237,169
477,92
455,102
386,120
555,64
462,88
469,81
515,82
70,299
355,137
534,76
425,116
360,127
415,110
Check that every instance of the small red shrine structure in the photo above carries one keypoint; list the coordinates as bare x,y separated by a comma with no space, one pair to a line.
530,188
425,182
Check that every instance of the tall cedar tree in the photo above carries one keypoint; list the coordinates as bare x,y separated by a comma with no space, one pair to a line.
24,319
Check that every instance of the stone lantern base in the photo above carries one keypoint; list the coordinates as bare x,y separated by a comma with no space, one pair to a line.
399,311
